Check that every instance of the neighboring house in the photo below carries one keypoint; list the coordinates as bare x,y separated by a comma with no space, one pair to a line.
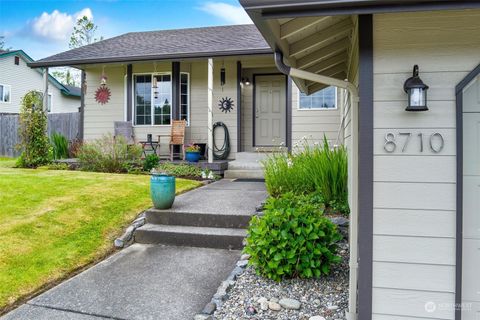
414,176
266,110
17,78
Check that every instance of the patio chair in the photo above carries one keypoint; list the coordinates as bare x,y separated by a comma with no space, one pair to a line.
124,129
177,138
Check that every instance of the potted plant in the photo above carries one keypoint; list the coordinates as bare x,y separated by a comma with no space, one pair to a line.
162,189
192,152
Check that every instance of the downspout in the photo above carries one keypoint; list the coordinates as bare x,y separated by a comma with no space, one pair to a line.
351,314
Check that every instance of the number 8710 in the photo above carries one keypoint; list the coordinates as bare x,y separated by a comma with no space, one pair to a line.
435,142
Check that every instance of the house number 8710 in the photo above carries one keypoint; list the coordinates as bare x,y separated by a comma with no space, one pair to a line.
392,142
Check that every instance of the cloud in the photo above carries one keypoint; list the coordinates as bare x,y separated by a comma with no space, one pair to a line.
56,26
227,12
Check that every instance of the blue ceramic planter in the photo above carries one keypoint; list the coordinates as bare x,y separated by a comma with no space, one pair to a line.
192,156
162,190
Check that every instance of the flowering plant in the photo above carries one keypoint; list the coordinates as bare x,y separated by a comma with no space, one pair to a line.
192,148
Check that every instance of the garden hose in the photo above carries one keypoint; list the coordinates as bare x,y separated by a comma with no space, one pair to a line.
223,152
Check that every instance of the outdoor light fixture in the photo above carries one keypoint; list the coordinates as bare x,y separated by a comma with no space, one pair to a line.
417,92
222,77
246,81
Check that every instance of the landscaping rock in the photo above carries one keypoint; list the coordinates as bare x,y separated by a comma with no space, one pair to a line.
242,263
288,303
340,221
245,256
203,317
209,308
263,302
316,318
274,306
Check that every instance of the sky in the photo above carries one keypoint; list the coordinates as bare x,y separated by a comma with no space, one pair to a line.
43,27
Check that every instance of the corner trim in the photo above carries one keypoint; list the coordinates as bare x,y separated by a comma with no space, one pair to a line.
81,124
176,90
459,215
365,165
289,113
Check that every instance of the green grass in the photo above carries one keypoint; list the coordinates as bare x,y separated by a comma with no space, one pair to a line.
54,222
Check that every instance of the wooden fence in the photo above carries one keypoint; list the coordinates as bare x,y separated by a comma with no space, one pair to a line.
64,123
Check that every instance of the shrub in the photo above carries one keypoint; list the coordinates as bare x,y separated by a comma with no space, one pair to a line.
312,169
292,239
109,154
34,143
60,146
58,166
180,170
150,162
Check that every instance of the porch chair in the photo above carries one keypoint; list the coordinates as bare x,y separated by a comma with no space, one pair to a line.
177,138
124,129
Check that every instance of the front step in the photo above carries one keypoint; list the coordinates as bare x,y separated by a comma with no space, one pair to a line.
169,217
219,238
244,174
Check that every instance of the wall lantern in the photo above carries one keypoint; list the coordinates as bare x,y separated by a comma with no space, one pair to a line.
246,81
417,92
222,77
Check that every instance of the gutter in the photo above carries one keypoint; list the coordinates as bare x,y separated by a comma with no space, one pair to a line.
351,314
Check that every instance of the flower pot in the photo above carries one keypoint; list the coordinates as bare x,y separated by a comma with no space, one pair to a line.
162,190
192,156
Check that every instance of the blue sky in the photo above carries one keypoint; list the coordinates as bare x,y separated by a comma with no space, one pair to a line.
43,27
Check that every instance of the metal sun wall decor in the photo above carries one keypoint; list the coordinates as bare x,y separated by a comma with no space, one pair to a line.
102,95
226,104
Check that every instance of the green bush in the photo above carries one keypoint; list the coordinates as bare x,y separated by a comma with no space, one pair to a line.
292,239
109,154
60,146
34,143
57,166
311,169
151,161
180,170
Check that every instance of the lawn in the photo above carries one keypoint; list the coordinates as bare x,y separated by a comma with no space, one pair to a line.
55,222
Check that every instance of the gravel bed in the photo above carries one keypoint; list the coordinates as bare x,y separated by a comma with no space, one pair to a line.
326,297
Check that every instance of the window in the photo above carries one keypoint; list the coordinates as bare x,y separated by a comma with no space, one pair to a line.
184,97
153,98
162,99
323,99
17,60
5,93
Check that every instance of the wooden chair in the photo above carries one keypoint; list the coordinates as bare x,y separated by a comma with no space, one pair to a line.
124,129
177,138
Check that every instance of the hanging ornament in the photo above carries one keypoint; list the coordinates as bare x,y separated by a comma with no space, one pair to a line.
103,79
102,95
226,104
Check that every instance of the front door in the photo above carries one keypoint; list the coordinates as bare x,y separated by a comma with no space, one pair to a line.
471,201
270,110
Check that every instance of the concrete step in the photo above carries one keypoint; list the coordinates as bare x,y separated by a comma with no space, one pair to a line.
244,174
244,165
220,238
169,217
250,156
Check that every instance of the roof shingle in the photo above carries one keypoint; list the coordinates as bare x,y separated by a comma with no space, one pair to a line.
165,44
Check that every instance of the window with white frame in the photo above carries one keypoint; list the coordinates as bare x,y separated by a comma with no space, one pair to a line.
49,103
185,97
320,100
5,91
153,98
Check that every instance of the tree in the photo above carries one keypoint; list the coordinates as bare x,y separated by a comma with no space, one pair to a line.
34,142
65,76
2,44
83,33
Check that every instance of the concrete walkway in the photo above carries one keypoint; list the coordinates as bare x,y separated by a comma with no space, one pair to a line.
146,281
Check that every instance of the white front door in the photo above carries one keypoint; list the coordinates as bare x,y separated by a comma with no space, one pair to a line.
471,202
270,110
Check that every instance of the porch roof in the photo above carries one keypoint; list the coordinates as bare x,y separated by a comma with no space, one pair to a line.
165,45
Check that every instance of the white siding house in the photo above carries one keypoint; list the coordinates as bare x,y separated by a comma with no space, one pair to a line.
17,78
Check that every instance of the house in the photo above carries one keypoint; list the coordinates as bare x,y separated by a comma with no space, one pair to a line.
154,77
17,78
414,176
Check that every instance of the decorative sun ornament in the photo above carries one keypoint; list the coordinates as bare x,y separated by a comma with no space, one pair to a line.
226,104
102,95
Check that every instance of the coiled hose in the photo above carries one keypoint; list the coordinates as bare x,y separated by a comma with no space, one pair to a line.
223,152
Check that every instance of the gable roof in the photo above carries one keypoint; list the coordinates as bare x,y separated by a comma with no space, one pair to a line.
165,44
66,90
